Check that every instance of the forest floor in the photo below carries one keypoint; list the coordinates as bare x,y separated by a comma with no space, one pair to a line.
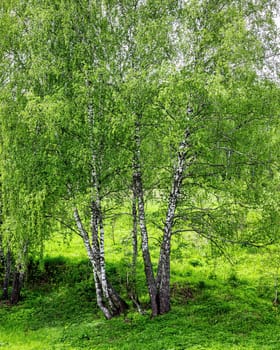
215,306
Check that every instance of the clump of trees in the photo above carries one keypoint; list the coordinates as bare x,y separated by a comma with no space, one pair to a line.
104,102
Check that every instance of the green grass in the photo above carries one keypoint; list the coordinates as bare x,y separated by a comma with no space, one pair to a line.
215,305
216,317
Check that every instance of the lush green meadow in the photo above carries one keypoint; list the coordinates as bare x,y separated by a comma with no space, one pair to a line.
215,304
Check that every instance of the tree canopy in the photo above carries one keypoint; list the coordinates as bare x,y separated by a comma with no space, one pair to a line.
172,101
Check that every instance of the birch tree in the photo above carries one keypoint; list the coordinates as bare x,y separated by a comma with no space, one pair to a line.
218,73
55,129
210,96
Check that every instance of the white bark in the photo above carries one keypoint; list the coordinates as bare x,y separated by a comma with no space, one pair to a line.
96,214
163,273
134,238
94,263
102,257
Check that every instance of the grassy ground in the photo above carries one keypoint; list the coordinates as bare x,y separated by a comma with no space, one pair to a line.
215,305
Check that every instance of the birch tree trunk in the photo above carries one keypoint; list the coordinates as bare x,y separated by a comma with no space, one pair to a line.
109,302
134,235
19,273
137,176
92,253
131,283
163,272
116,303
159,288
